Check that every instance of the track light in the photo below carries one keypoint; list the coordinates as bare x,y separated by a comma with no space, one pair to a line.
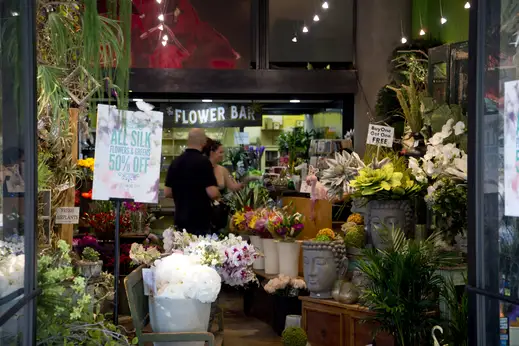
294,39
161,17
467,5
316,18
325,5
422,32
305,29
443,20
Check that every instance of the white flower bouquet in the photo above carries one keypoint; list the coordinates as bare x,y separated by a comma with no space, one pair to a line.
232,257
12,265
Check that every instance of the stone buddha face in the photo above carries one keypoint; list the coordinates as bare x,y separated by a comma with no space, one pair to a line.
386,215
321,261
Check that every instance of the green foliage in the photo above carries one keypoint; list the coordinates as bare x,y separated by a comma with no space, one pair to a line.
457,324
65,312
387,104
404,286
90,255
44,172
383,183
295,143
409,97
355,237
253,195
294,336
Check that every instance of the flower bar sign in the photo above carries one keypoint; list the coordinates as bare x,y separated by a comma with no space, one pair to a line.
381,135
127,155
209,115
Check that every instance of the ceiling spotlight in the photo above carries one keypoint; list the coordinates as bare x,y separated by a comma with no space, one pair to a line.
467,5
161,27
165,37
159,1
305,29
443,20
15,14
294,39
316,18
422,32
207,100
161,17
403,40
295,101
164,43
325,5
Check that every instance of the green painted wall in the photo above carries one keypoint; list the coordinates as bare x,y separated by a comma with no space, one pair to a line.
455,30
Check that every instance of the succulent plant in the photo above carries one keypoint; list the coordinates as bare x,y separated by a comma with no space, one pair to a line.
340,171
294,336
355,236
90,255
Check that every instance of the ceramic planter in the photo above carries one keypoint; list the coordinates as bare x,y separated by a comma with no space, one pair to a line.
288,254
323,263
398,214
90,269
178,315
271,256
257,242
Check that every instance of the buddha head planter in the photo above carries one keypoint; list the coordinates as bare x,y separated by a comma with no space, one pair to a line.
323,263
388,214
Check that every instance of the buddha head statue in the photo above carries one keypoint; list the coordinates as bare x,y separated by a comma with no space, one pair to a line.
323,263
388,214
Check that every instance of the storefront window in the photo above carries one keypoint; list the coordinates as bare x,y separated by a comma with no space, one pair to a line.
17,172
494,173
311,31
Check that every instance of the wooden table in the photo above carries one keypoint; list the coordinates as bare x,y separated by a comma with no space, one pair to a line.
329,323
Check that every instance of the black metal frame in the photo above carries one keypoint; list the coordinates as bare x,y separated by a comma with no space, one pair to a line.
27,114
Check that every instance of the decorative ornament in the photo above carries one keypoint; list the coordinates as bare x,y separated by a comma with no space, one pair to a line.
81,85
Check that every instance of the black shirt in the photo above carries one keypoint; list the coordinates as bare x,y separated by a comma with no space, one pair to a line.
188,177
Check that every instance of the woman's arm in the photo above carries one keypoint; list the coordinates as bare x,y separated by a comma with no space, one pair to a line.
230,183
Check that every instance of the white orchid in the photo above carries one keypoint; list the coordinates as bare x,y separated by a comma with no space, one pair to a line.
459,128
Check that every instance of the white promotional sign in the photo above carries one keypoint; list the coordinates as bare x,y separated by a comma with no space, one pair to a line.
380,135
127,155
67,216
241,138
511,150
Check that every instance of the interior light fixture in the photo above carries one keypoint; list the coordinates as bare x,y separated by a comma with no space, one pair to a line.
164,43
305,29
422,32
161,27
15,14
159,1
443,20
207,100
403,40
316,18
161,17
294,39
165,37
295,101
467,5
325,5
137,100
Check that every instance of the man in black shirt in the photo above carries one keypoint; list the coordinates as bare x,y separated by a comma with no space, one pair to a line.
192,185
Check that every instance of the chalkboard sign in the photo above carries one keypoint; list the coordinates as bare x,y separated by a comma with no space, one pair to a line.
209,115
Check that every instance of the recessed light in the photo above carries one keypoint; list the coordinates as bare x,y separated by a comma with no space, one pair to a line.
137,100
295,101
207,100
316,18
305,29
325,5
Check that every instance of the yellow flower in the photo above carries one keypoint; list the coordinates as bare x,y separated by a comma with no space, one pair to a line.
326,233
239,218
356,219
252,223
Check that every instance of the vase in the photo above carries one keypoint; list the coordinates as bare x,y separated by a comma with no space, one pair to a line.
323,264
384,215
271,256
259,263
288,255
178,315
89,269
284,306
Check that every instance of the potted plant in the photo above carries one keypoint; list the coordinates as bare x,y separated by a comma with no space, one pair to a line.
388,192
89,265
294,336
184,291
404,286
324,261
354,236
285,225
286,291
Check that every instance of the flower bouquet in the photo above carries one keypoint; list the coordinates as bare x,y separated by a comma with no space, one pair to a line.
87,165
285,226
181,295
103,224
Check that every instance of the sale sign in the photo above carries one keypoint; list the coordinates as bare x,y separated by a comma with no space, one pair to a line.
380,135
127,155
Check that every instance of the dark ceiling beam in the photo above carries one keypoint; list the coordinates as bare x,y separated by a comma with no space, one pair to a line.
236,82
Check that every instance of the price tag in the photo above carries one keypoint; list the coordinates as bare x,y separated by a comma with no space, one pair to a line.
148,277
67,216
381,135
241,138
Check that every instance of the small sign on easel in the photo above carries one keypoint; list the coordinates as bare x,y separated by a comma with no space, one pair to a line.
380,135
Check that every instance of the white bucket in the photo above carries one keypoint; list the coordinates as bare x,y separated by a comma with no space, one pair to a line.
256,241
271,256
178,315
288,253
